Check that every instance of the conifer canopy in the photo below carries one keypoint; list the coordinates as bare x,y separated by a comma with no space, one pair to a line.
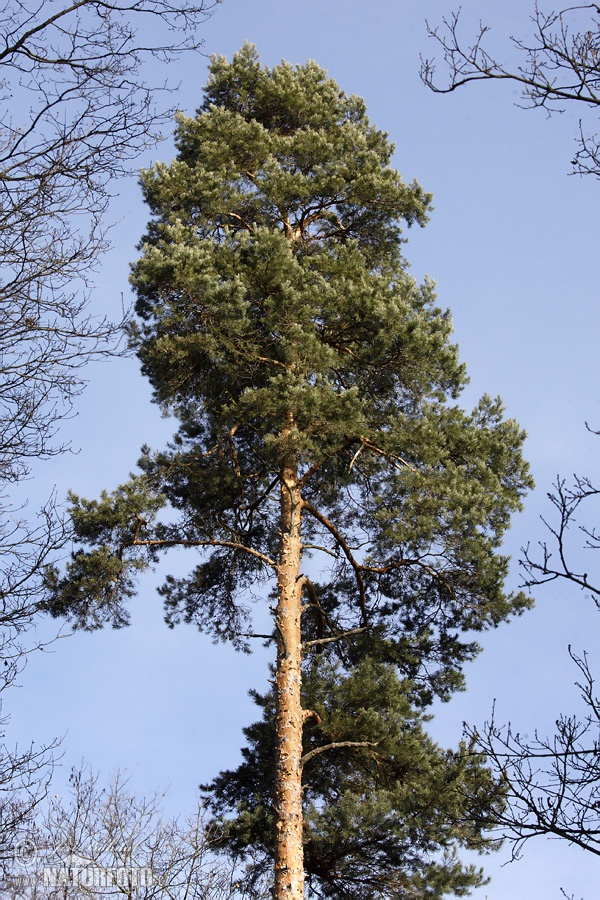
277,322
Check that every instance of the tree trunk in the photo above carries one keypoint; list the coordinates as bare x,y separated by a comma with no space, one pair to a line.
289,861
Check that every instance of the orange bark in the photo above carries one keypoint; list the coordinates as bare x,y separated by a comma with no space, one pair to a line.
289,859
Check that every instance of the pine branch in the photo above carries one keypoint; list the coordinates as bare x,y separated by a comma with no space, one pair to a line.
316,514
337,637
336,745
180,542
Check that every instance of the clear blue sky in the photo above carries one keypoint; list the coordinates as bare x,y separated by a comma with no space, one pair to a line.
512,245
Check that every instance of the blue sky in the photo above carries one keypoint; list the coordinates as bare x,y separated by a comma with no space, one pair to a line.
512,245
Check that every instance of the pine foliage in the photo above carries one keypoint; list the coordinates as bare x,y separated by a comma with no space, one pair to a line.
382,820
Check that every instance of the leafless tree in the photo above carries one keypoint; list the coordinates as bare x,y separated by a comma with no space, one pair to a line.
553,783
557,560
77,109
107,842
557,64
24,778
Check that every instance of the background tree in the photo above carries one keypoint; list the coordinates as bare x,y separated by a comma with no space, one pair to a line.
24,779
77,111
558,64
553,782
95,833
315,386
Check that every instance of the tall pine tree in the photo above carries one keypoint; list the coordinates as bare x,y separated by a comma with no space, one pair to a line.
315,386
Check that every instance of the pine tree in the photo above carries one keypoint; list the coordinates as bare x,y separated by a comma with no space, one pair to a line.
315,386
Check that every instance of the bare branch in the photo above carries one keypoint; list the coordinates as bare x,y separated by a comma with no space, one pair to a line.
76,112
553,783
97,829
559,64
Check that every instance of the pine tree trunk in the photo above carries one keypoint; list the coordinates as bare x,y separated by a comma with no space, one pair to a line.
289,862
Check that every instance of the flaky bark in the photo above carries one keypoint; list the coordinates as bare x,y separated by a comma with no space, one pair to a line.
289,862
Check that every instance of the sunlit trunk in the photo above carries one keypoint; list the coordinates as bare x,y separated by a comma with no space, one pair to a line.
289,864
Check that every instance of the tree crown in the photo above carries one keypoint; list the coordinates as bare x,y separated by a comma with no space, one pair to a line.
278,322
